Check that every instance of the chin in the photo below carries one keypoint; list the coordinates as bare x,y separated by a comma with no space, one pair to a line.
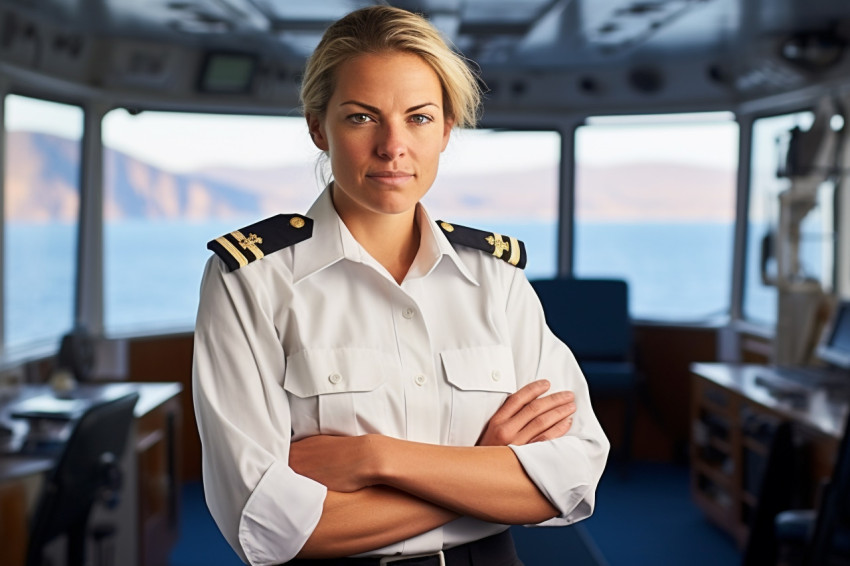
395,207
394,202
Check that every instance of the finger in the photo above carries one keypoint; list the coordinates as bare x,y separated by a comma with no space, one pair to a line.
516,401
560,429
540,405
545,421
516,429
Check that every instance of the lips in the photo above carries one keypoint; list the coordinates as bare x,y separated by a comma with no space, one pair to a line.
390,177
389,174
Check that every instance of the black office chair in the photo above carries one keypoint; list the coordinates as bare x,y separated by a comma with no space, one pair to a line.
821,537
775,488
87,472
592,317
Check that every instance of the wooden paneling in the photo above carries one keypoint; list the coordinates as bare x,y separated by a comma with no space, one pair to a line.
755,349
13,523
169,358
158,455
663,355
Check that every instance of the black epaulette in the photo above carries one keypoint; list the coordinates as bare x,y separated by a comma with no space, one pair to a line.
503,247
241,247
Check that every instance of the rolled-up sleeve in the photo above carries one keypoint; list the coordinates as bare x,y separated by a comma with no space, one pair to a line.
566,470
264,509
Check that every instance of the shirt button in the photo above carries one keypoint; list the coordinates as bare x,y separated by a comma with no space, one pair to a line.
408,313
334,378
420,380
496,375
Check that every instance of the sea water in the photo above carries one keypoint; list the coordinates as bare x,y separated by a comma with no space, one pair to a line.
153,269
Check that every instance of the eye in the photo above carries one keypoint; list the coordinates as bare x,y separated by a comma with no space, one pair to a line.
421,119
360,118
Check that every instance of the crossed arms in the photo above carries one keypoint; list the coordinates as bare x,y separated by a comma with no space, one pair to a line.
383,490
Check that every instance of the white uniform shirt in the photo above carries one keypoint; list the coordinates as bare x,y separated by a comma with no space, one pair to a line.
318,338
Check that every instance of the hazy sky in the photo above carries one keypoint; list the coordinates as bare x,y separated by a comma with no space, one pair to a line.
711,143
185,142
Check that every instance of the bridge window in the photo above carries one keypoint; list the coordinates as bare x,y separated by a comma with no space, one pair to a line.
41,208
655,201
770,140
174,181
505,181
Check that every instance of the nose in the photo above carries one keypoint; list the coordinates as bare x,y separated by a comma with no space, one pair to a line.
391,143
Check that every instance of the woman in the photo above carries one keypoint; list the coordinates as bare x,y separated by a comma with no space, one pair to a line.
368,382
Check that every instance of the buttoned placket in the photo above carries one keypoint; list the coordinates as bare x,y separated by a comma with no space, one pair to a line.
421,395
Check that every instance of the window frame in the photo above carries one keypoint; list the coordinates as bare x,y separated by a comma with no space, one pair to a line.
729,309
12,353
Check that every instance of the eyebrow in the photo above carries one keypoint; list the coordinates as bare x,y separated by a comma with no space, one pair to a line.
375,110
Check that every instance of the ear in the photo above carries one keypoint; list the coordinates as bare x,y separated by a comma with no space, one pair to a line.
448,124
317,132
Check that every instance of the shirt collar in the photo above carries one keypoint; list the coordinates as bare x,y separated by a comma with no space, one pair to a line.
435,244
331,242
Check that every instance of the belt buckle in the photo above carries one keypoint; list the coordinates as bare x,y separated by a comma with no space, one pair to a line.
390,559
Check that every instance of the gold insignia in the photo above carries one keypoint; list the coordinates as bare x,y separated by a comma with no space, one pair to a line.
252,239
488,242
241,247
249,243
498,244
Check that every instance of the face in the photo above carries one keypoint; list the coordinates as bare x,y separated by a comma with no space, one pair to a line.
384,130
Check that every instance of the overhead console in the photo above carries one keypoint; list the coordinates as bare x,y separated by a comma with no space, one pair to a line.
547,57
41,53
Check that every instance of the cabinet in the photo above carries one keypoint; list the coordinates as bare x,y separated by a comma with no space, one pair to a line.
733,416
158,484
147,518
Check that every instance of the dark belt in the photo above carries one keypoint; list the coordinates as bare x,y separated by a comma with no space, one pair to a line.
496,550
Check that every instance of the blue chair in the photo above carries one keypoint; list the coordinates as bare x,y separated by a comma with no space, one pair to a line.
591,316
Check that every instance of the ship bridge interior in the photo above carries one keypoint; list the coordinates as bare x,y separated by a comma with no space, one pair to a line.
693,149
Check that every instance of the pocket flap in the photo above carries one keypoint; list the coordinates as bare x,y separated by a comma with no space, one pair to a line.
483,368
335,370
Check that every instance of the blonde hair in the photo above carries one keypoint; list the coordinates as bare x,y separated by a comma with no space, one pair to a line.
378,29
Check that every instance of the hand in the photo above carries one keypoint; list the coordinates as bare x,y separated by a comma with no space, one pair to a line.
340,463
526,417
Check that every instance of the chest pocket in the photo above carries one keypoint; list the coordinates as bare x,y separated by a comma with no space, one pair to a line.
341,391
481,380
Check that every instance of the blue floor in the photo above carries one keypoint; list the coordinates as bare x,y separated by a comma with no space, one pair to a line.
645,519
649,518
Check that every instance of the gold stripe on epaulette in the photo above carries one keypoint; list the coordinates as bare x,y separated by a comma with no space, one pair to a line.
249,243
237,255
514,259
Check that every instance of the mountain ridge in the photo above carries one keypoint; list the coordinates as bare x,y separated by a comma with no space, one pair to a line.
135,189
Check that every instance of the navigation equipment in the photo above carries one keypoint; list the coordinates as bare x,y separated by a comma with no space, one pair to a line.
834,349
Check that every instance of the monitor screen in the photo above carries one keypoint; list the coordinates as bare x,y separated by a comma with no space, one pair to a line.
227,73
835,348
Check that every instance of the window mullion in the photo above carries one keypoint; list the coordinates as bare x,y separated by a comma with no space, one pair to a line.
89,299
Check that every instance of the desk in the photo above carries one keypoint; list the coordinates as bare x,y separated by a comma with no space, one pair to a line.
148,516
732,416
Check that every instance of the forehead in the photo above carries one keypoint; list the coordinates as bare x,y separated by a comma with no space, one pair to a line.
381,74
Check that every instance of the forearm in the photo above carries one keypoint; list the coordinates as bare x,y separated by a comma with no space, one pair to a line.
485,482
370,518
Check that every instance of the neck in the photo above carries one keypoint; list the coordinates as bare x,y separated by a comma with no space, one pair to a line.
392,239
